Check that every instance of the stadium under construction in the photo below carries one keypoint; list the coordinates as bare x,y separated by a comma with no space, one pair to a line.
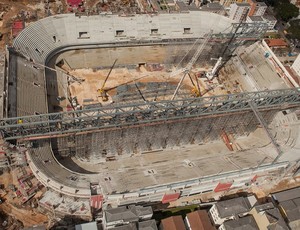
135,108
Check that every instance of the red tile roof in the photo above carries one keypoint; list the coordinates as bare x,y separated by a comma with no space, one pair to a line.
74,3
173,223
167,198
278,42
17,27
199,220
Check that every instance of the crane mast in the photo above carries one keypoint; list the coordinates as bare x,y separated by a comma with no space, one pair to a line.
190,64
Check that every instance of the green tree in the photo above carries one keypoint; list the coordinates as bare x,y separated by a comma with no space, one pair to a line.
294,29
285,10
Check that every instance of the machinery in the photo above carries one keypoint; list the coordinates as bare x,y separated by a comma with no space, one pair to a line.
186,70
103,92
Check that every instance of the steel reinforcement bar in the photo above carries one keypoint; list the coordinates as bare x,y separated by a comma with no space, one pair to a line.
117,116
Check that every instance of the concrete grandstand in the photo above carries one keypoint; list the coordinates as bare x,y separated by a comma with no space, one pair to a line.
143,170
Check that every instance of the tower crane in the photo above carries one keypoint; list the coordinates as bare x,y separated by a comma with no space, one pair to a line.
102,91
210,75
186,70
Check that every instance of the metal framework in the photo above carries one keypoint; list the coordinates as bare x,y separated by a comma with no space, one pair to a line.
144,113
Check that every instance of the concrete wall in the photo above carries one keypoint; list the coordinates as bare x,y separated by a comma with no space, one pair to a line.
133,55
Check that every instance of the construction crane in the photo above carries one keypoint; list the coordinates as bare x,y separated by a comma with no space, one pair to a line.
186,70
79,80
210,75
102,91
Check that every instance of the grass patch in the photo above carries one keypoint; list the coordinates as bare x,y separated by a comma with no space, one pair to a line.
182,211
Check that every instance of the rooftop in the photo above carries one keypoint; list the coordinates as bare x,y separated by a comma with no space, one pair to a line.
192,7
120,213
182,7
173,223
126,227
264,207
269,17
277,42
291,209
130,213
74,3
199,220
286,195
276,220
147,225
212,6
246,222
273,215
242,4
141,211
261,4
87,226
233,207
256,18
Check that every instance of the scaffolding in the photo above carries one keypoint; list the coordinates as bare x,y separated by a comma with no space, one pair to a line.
118,116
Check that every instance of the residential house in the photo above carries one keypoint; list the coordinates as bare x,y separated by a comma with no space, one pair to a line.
288,202
268,217
125,215
198,220
172,223
147,225
244,223
213,7
231,209
276,43
290,209
131,226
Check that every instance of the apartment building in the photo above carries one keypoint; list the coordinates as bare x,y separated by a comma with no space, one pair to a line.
239,11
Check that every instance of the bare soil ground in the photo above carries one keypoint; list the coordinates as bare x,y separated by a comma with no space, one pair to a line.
27,10
13,212
94,81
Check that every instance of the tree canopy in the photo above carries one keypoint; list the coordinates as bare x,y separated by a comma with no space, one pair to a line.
284,9
294,29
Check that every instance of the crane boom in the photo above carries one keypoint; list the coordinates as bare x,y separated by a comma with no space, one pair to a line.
195,56
102,91
105,80
190,64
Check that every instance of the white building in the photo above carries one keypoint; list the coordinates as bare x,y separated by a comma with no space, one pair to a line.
230,209
296,65
254,19
257,8
268,19
238,11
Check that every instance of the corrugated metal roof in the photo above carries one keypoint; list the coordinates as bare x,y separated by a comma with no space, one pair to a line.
87,226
